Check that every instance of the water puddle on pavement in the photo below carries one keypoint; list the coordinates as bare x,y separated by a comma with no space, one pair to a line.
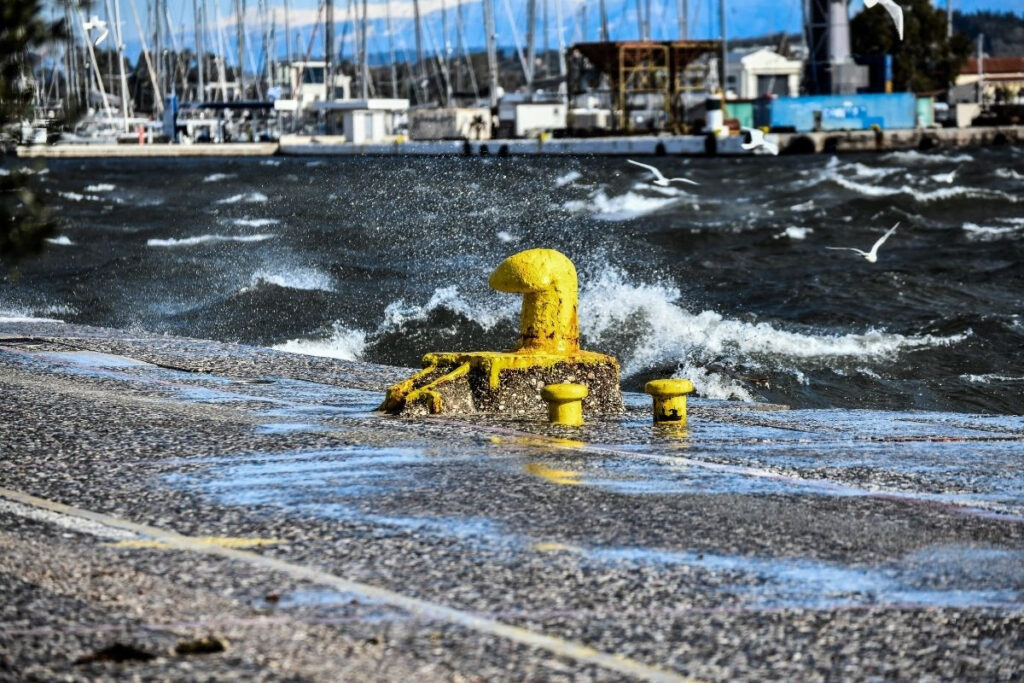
294,405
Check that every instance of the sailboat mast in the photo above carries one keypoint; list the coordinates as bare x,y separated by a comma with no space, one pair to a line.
364,72
531,33
240,39
201,85
604,22
391,50
682,10
287,34
420,65
561,38
725,47
126,102
492,53
445,54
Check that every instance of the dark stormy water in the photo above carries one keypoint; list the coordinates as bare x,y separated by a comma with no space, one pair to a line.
728,283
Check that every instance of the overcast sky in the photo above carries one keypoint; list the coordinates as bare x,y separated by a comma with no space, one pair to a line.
744,18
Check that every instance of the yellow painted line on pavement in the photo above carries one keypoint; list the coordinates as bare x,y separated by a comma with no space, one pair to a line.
417,607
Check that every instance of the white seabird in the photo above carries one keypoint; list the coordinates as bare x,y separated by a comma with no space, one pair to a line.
659,178
757,141
894,10
870,256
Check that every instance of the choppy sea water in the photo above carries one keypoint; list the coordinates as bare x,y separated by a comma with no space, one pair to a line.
727,283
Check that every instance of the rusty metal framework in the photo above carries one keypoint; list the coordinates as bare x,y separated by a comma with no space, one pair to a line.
636,69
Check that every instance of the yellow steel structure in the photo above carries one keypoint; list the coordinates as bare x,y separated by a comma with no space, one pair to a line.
640,68
548,352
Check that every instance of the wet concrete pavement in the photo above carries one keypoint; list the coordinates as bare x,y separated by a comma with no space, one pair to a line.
256,496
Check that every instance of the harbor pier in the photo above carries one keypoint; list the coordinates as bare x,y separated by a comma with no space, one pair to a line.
178,508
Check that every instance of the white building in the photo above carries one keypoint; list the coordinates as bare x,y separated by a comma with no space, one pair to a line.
762,71
363,121
306,84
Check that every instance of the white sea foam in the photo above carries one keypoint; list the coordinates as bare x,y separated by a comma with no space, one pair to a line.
988,232
803,206
248,197
618,208
506,237
256,222
914,157
1009,173
571,176
293,278
922,196
796,233
487,313
20,314
217,177
344,343
203,239
62,240
648,326
989,378
668,333
270,162
100,187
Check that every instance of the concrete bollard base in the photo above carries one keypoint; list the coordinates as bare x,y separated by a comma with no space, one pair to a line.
506,383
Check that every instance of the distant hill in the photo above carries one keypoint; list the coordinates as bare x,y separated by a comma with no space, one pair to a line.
1004,32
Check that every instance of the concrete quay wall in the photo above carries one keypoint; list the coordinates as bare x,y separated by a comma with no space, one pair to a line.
829,142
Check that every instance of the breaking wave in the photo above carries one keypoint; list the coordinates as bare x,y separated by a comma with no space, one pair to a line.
293,278
204,239
246,197
647,327
344,343
987,232
217,177
62,240
664,333
941,194
917,158
571,176
618,208
255,222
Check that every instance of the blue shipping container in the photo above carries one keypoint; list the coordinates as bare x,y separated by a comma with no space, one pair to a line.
845,112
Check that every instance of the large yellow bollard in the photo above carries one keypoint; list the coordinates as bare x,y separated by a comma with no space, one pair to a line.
547,280
548,352
669,397
565,403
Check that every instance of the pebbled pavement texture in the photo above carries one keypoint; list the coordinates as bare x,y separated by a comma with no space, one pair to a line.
239,513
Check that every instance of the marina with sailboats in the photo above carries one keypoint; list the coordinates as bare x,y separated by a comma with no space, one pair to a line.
566,85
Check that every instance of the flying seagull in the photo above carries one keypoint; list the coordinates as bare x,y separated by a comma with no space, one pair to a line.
894,10
757,141
870,256
659,179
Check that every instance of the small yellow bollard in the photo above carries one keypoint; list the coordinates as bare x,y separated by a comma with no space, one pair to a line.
565,403
669,399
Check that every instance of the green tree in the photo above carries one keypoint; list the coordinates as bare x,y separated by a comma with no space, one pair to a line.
925,60
24,221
